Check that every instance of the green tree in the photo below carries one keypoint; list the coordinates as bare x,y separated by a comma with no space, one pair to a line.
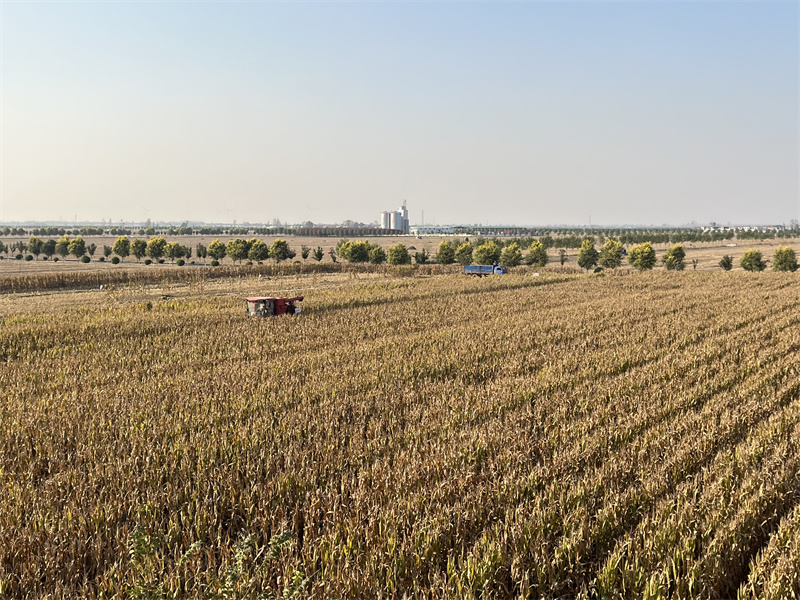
62,246
280,250
305,251
377,255
610,254
216,250
587,255
398,255
237,249
562,256
339,245
487,254
463,254
91,249
122,247
421,257
354,252
752,261
259,251
511,255
674,259
642,257
156,247
138,249
77,247
726,262
173,250
537,254
318,254
784,259
106,251
35,246
48,248
445,254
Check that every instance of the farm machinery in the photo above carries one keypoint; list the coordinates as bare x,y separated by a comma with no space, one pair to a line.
271,306
481,270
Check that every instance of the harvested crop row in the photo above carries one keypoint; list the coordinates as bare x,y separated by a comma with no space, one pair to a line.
435,437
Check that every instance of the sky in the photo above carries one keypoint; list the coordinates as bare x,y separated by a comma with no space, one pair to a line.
526,113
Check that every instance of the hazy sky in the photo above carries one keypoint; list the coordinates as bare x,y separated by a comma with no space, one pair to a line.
527,113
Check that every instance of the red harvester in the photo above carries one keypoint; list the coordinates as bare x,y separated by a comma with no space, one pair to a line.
269,307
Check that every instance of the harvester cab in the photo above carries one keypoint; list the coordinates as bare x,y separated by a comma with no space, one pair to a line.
271,306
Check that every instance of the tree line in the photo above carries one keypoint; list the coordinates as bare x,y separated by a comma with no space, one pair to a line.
642,257
149,230
551,238
611,255
156,249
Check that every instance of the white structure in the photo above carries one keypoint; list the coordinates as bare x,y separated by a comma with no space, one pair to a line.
433,230
397,219
404,222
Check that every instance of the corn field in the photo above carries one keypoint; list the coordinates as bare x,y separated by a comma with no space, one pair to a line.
562,436
93,277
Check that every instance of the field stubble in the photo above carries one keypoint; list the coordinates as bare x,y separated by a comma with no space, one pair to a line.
623,436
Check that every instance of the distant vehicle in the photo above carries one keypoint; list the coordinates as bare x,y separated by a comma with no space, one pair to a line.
271,306
481,270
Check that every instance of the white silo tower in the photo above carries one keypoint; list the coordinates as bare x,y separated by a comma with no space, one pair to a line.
404,222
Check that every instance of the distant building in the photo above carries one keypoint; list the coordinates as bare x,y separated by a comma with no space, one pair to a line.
433,230
396,220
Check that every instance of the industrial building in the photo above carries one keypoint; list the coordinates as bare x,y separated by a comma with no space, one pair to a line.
396,219
433,230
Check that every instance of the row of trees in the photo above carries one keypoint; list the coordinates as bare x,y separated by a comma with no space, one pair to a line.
575,240
362,252
63,247
158,248
611,255
150,230
784,259
253,249
448,253
550,237
237,250
489,253
147,230
642,257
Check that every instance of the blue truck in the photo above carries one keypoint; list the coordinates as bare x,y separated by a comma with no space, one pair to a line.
481,270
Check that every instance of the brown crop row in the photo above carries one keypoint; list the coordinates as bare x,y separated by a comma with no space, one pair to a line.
440,437
93,278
